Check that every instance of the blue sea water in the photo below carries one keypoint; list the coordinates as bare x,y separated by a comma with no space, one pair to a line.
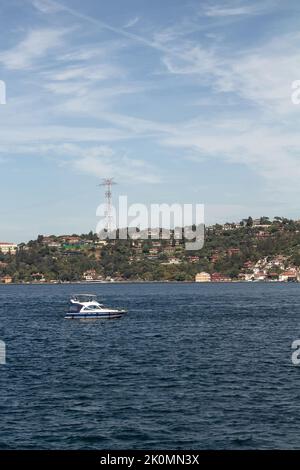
192,366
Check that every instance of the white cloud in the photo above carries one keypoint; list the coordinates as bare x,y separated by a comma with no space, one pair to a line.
216,10
185,27
264,76
95,160
106,26
193,60
273,155
122,167
68,88
132,22
139,126
92,73
261,75
46,6
103,51
11,137
80,80
36,44
238,8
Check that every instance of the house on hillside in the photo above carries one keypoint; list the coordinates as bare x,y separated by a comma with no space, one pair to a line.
203,277
193,259
260,276
289,275
218,277
6,247
90,275
6,279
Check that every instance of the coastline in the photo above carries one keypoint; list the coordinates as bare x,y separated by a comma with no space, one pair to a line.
142,282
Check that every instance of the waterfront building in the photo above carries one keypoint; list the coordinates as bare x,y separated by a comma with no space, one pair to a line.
203,277
6,279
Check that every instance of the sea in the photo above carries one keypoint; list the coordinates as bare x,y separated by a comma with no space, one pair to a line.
191,366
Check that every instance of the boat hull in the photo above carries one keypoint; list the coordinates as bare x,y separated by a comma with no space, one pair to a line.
94,315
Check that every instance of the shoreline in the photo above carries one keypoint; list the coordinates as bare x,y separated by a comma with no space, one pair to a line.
141,282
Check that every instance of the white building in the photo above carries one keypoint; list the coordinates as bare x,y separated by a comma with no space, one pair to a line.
8,247
173,261
203,277
90,275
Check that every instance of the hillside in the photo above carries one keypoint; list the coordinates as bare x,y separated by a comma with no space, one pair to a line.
259,250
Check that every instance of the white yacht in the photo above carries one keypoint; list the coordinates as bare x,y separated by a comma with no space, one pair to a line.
87,306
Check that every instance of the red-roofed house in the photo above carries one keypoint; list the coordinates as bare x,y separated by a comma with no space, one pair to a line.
290,275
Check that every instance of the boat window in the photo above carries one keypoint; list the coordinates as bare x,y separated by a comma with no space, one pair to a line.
84,298
75,308
92,307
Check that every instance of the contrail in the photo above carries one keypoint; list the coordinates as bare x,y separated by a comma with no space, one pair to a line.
97,22
119,31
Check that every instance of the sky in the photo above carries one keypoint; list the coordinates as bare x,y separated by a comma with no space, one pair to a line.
181,101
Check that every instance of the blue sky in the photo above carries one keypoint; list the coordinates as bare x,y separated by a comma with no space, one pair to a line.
180,101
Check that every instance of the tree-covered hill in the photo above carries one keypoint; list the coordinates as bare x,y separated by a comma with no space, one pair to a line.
229,249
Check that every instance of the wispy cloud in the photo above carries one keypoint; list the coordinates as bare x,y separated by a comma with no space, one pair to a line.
193,60
91,73
106,26
35,45
272,155
122,167
11,138
258,77
80,80
94,160
46,6
94,52
132,22
237,9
